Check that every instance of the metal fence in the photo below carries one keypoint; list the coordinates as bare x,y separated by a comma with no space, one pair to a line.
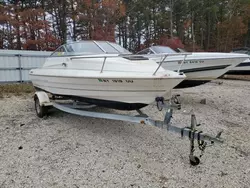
15,64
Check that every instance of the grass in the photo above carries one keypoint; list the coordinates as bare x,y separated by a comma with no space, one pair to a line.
16,89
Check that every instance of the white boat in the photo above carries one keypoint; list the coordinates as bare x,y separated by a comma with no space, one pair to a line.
199,68
104,74
244,67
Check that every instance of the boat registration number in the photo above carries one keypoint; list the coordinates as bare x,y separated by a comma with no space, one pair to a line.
115,81
190,62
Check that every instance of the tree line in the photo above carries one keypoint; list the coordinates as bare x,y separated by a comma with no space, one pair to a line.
197,25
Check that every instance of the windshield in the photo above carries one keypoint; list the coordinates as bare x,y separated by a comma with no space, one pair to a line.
120,49
107,47
163,49
180,50
90,47
242,52
83,47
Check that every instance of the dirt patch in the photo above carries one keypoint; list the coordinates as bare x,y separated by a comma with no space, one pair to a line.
16,89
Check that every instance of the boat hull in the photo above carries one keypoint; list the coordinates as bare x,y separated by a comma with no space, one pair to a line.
103,103
117,93
202,76
200,69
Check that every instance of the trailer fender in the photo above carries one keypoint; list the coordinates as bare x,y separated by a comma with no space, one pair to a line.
43,98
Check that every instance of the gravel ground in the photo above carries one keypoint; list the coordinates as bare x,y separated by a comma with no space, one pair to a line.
64,150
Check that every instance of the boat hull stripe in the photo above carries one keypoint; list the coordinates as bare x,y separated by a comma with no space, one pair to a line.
204,68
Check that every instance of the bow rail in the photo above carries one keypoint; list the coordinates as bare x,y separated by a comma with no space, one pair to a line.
163,55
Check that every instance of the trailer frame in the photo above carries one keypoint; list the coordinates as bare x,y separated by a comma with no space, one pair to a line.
43,103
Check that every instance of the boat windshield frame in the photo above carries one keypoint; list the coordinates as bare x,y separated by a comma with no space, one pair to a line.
244,50
158,49
89,47
155,50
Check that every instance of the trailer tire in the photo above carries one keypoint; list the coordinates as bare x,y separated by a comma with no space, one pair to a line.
195,161
41,111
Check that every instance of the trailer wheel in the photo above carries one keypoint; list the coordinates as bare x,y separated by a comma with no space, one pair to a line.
195,161
41,111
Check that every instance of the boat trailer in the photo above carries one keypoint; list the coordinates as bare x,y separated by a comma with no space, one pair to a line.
43,103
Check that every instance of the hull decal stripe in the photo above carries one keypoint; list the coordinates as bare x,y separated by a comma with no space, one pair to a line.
120,78
204,68
102,90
